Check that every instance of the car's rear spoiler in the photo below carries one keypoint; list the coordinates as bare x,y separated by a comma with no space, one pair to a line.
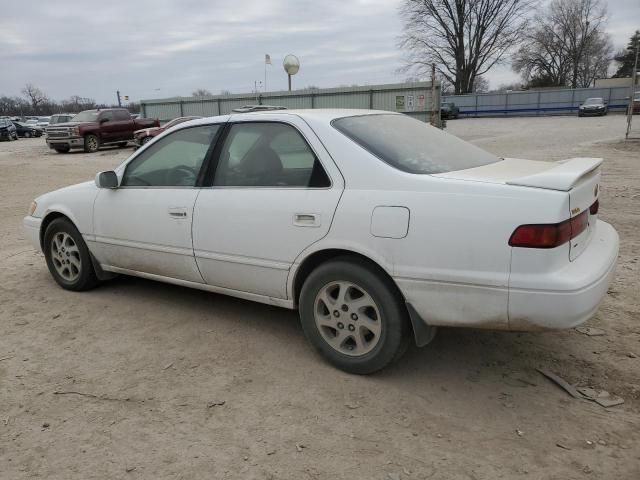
563,177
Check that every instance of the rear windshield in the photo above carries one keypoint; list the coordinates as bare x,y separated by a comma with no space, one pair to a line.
411,145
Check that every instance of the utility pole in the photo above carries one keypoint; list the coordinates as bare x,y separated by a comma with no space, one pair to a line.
118,95
434,116
634,76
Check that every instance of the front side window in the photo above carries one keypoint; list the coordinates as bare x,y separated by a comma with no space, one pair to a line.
411,145
106,116
268,154
172,161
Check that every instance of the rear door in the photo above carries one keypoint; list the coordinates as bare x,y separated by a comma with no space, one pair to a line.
273,193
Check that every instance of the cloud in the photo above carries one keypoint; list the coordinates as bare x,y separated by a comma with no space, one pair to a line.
150,48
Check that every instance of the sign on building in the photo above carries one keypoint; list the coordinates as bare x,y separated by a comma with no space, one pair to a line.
399,102
410,102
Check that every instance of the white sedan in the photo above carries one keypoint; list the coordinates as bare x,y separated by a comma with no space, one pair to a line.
378,228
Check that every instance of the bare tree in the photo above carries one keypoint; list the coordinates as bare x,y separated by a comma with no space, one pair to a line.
34,95
481,85
75,104
225,92
464,38
201,92
568,45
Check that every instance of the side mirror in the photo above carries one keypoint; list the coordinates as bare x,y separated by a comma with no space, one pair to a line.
107,180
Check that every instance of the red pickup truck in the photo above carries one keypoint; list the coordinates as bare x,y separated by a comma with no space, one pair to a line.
91,129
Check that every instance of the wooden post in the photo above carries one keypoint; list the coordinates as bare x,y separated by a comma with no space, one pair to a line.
634,75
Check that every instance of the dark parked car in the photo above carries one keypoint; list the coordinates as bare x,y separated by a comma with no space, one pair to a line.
593,106
146,134
7,130
635,105
449,110
27,131
91,129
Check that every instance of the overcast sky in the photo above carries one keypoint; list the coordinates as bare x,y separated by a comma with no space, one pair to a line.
156,48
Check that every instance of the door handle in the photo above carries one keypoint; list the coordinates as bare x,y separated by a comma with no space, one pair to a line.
177,212
306,220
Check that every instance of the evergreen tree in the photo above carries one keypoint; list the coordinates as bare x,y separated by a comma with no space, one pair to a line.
626,58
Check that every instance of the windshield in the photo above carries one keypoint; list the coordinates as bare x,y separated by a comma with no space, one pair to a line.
86,116
593,101
411,145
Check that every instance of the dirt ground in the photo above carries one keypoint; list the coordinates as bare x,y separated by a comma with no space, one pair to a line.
178,383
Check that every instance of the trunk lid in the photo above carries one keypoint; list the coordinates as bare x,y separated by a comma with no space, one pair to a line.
579,177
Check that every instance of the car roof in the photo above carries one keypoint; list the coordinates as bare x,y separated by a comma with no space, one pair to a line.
323,115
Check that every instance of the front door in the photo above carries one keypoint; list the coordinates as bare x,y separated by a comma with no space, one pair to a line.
145,224
274,193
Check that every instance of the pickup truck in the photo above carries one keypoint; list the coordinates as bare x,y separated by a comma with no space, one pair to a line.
92,129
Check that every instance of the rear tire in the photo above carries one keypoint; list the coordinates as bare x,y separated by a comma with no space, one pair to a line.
146,140
68,257
91,143
354,316
27,134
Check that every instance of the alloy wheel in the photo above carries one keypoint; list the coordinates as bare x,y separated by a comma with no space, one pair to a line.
65,256
92,143
348,318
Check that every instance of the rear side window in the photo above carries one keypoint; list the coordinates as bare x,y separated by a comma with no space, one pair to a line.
119,115
411,145
268,154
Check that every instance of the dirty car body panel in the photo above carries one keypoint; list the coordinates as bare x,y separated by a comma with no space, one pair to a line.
467,238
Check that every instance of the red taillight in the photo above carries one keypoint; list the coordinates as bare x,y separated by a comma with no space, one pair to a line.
593,209
549,235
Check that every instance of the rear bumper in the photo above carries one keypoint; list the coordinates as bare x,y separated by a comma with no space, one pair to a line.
32,230
572,294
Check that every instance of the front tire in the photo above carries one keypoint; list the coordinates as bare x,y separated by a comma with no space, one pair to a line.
91,143
27,134
68,257
353,315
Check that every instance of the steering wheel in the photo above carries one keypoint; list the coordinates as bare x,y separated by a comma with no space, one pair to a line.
135,181
181,175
